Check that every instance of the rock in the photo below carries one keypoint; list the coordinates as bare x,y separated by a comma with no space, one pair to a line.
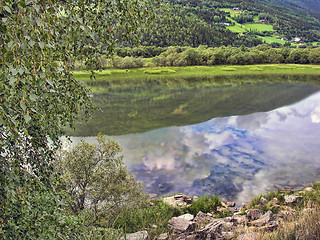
203,218
178,200
249,236
228,204
287,215
152,195
227,226
254,214
211,230
182,223
186,236
184,198
221,209
263,201
227,235
275,200
240,219
227,219
142,235
163,236
270,226
291,199
263,220
308,189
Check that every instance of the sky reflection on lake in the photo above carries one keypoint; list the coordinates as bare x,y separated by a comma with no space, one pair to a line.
235,157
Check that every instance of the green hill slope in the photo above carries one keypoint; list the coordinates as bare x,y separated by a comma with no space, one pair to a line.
235,23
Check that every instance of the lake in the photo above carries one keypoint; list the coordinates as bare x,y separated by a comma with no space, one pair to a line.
235,139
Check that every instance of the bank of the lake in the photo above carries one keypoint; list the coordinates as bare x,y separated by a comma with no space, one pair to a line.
275,215
218,70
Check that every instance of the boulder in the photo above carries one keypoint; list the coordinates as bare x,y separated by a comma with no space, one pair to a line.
270,226
291,199
275,200
184,198
254,214
263,220
228,204
203,218
263,201
182,223
249,236
239,219
163,236
211,230
287,215
142,235
179,200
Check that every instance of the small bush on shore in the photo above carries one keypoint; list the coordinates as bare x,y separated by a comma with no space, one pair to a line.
206,204
153,218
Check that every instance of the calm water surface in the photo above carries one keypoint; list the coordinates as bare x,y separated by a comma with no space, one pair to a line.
235,156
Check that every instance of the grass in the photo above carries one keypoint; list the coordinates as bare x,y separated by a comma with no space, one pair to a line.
272,39
154,218
260,27
232,12
304,223
205,204
119,77
276,40
236,29
113,78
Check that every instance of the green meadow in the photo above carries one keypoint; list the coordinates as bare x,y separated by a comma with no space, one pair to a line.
106,79
260,27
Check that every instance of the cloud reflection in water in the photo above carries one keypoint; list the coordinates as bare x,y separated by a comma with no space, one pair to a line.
236,157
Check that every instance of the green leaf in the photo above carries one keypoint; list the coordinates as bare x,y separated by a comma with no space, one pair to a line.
36,7
10,44
41,45
23,46
50,82
33,97
32,43
22,4
23,106
12,81
7,9
14,71
39,22
27,118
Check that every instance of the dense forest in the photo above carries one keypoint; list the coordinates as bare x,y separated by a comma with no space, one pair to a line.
207,56
222,23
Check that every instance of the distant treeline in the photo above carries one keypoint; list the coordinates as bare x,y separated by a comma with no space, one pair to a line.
187,56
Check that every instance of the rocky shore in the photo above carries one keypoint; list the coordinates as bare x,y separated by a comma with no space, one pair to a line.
245,223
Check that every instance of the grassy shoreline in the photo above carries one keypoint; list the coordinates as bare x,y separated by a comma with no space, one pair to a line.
219,75
218,70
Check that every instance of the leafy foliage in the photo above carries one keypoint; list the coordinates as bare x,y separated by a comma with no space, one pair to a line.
206,204
207,56
39,41
97,180
139,218
208,22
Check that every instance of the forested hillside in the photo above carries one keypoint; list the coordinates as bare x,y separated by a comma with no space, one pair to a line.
311,6
224,22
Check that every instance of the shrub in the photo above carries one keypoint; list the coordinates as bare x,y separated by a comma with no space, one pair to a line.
133,220
97,180
204,204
